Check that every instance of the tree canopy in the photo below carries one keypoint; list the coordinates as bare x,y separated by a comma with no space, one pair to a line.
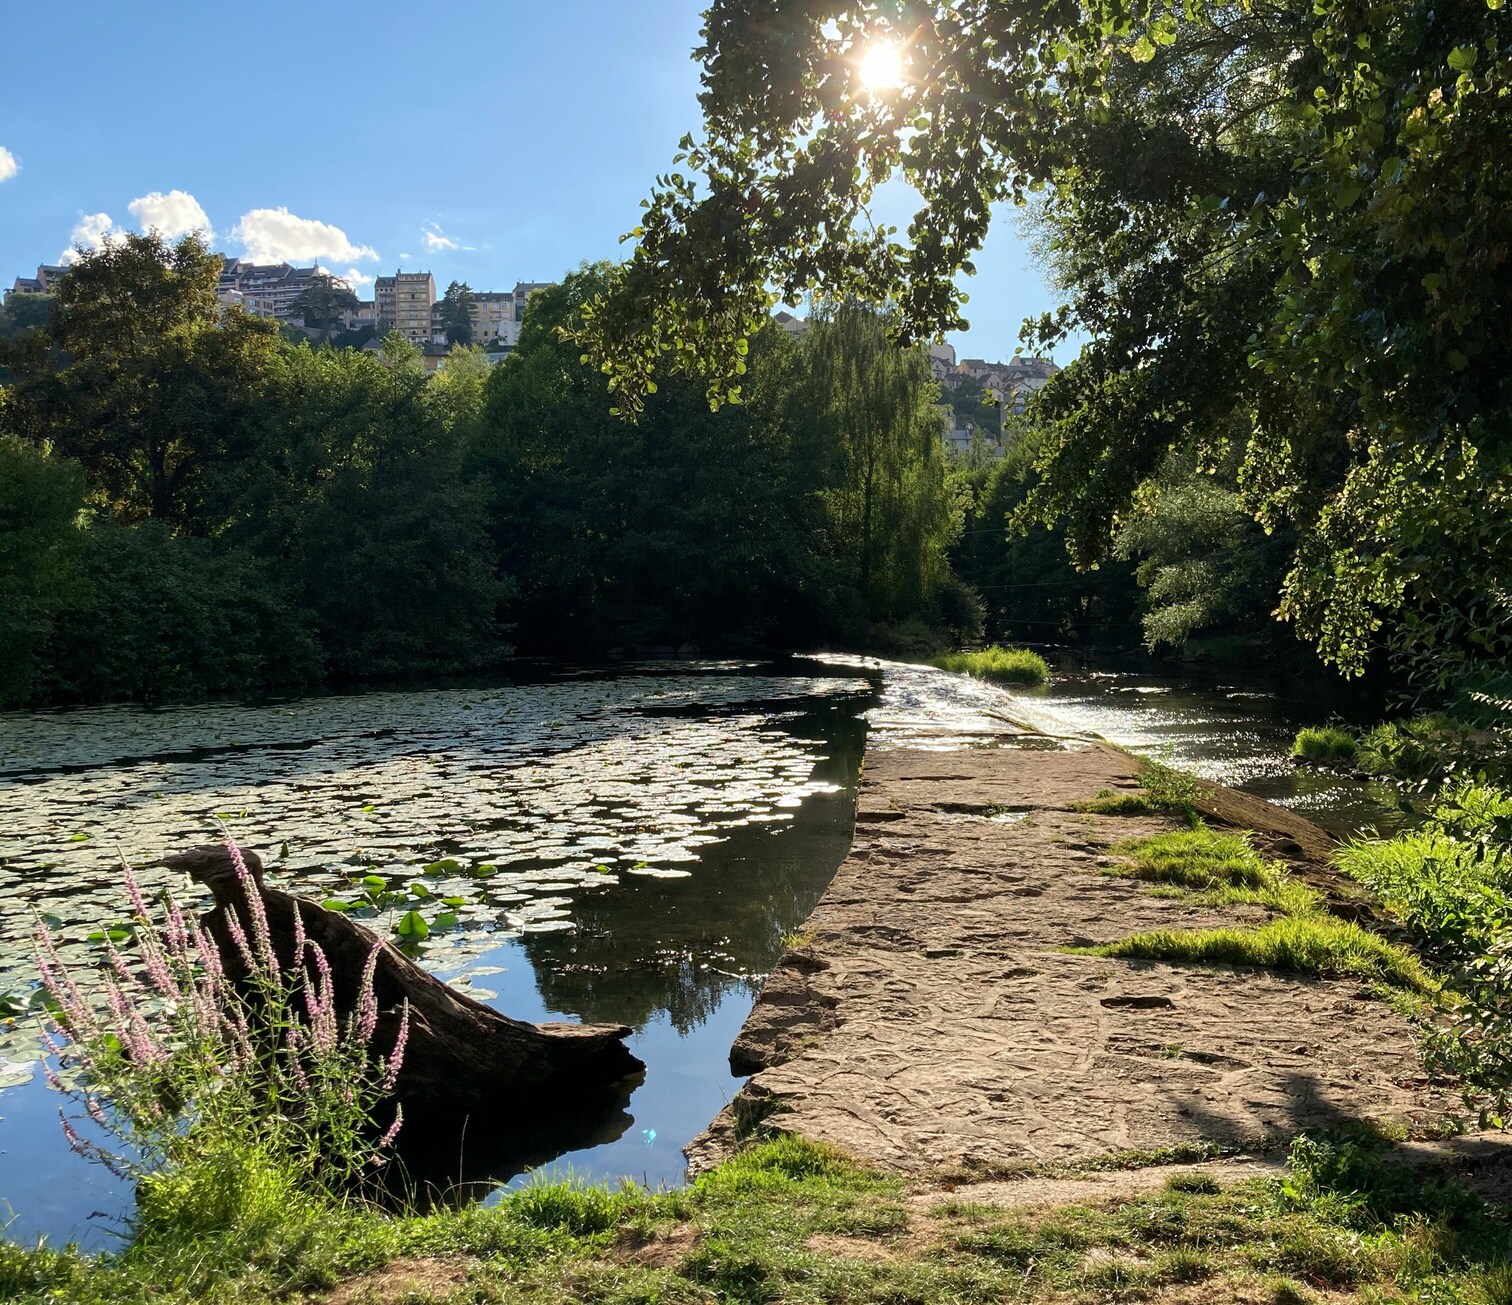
1285,226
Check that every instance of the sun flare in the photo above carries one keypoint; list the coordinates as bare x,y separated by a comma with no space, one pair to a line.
881,66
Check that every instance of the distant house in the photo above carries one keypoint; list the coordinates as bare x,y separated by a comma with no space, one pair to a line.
792,325
44,283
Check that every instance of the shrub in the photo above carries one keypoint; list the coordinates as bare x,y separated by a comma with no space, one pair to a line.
1323,744
1001,665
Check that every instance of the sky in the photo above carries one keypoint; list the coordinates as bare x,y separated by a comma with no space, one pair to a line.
486,142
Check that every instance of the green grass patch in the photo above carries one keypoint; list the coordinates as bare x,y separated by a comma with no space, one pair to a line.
1222,869
789,1221
1001,665
1108,802
1309,944
1324,744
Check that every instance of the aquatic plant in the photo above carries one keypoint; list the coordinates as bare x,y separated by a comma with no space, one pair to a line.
179,1059
1001,665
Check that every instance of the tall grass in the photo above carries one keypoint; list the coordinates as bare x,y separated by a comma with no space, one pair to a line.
1001,665
1221,868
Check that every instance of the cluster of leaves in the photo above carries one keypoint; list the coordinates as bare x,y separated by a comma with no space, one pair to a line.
1449,882
1284,228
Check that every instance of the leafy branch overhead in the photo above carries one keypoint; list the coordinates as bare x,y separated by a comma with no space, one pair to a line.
1284,229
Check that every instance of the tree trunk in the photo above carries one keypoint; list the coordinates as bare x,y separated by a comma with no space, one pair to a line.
462,1057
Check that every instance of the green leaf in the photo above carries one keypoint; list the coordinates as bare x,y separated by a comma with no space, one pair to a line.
446,920
375,882
446,866
419,890
412,926
1462,58
1143,50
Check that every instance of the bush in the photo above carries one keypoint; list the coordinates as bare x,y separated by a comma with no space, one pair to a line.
1001,665
1450,884
1324,743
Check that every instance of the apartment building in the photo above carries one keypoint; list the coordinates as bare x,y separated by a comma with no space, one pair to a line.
264,289
405,303
44,283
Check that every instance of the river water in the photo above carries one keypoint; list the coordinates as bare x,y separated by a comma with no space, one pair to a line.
625,847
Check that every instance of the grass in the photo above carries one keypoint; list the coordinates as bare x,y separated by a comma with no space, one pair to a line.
1219,868
1324,743
1001,665
1309,944
1163,790
789,1221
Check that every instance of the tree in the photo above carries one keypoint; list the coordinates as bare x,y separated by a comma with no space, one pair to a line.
456,313
1285,227
892,514
323,301
142,375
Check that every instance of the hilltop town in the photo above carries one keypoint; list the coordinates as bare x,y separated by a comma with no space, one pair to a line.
309,301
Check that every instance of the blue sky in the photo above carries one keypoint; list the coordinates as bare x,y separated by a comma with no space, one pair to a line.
489,142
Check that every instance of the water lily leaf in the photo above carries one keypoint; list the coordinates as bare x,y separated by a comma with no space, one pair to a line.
446,866
446,920
412,927
419,890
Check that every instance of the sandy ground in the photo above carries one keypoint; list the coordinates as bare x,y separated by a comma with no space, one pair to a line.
928,1023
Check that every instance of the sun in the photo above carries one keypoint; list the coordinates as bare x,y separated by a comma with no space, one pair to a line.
881,66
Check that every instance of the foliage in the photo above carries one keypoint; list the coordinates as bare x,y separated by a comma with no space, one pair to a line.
40,501
1028,587
1002,665
148,384
1201,559
794,519
887,504
185,1059
1429,749
456,313
323,302
1283,229
1324,743
1308,944
1449,882
1169,789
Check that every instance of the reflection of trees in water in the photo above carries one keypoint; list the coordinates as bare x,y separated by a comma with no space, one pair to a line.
680,946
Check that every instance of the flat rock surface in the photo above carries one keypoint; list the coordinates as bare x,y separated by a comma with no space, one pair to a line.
929,1023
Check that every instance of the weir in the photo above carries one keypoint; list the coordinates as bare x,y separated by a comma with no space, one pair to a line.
930,1019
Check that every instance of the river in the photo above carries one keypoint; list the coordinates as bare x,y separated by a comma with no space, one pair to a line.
625,846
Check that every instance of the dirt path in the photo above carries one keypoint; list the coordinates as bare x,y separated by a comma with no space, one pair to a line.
929,1024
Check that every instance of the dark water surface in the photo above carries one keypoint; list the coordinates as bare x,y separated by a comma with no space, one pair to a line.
631,848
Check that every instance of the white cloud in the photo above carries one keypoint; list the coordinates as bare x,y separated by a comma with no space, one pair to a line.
172,215
435,239
274,235
91,231
8,165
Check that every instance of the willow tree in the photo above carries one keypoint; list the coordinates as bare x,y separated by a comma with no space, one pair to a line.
889,505
1286,227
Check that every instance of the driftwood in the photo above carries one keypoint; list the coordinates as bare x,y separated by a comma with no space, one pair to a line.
463,1060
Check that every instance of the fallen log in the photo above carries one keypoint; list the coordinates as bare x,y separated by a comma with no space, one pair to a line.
463,1059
